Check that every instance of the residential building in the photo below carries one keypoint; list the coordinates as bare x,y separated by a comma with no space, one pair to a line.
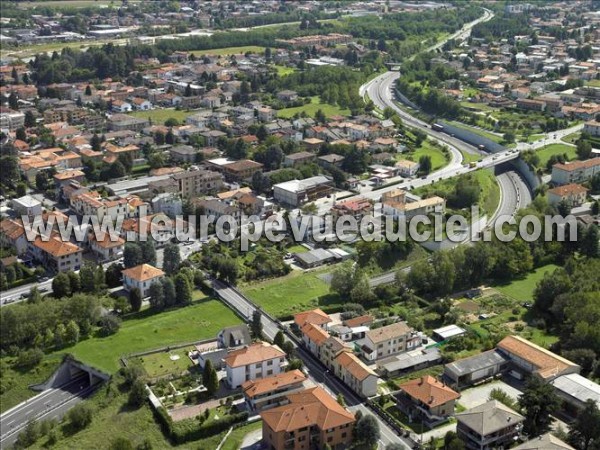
572,195
105,248
313,338
311,419
235,336
489,426
546,441
11,120
389,340
356,208
56,254
141,277
298,159
575,172
12,235
330,161
27,206
93,204
196,182
184,154
592,128
407,168
315,316
352,371
255,361
270,392
397,203
426,399
242,170
298,192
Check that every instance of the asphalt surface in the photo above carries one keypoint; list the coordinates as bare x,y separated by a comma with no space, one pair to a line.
49,404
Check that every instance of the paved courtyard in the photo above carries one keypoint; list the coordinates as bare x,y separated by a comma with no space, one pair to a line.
479,395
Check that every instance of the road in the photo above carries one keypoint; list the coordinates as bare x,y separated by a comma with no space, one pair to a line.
316,370
49,404
554,137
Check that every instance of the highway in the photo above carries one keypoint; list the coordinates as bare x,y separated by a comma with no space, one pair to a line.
316,370
49,404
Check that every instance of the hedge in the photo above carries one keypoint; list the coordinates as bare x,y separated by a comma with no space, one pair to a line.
191,430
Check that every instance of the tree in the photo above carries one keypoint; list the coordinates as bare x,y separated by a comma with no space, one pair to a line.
80,416
210,379
88,278
367,431
34,295
425,165
88,90
261,133
320,116
584,149
157,295
183,289
256,325
170,294
172,121
509,137
109,324
96,143
61,285
585,432
341,400
14,75
41,181
29,119
341,279
13,101
361,289
132,255
71,333
279,339
148,252
113,275
539,401
29,358
589,242
135,299
171,258
137,394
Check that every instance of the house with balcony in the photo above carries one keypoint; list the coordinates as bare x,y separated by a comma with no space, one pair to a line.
489,426
270,392
388,340
427,399
311,420
255,361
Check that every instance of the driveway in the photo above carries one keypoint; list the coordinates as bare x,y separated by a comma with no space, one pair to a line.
479,395
253,440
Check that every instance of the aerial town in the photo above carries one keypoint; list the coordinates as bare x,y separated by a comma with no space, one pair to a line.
300,225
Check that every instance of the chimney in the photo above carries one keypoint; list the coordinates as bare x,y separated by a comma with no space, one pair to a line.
431,399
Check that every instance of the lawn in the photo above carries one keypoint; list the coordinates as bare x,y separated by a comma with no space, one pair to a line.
571,138
297,291
282,71
438,159
477,106
159,116
478,131
489,196
594,83
235,439
311,108
555,149
230,50
297,249
147,330
522,289
469,157
15,383
161,364
531,138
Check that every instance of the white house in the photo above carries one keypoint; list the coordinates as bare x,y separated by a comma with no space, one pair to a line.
141,277
27,206
121,106
141,104
255,361
107,249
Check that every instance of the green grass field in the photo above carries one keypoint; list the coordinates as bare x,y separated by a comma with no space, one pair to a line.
112,419
235,439
293,293
230,50
297,249
161,364
311,108
159,116
15,383
438,159
522,290
282,71
478,131
555,149
594,83
469,157
147,331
